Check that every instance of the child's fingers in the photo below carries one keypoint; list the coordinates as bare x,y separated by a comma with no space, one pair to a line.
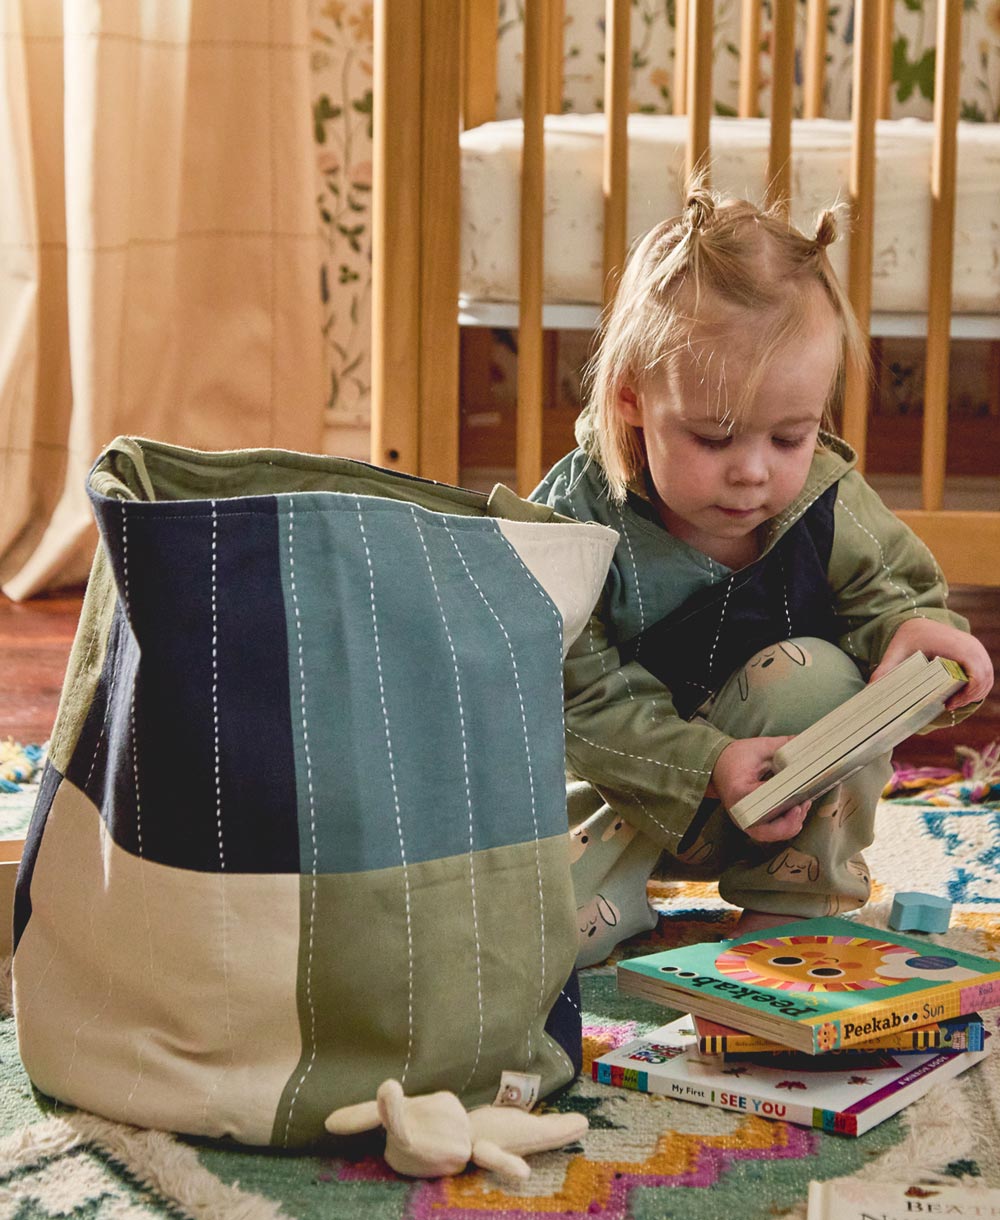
971,692
893,656
979,685
785,826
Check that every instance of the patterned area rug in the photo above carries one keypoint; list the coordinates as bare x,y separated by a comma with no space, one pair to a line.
644,1158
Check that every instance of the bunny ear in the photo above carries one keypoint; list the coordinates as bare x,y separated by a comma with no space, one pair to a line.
489,1155
391,1111
349,1120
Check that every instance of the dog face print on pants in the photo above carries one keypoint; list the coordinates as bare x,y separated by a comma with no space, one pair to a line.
770,665
795,866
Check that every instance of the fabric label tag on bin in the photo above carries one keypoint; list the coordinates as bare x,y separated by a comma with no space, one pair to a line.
518,1089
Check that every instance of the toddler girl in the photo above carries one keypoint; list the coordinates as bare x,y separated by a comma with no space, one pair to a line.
758,583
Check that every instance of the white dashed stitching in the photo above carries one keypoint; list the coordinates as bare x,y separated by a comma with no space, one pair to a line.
784,593
468,797
654,762
310,1000
531,778
395,794
218,815
671,834
881,554
635,571
718,633
138,802
885,568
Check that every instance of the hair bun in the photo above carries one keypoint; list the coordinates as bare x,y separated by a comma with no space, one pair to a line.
699,208
826,229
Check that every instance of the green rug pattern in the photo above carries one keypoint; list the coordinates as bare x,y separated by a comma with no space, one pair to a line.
644,1158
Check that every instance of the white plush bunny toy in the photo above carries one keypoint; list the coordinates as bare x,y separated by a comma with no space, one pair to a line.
435,1136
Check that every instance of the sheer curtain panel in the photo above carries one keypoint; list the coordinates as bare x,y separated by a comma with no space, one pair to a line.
159,249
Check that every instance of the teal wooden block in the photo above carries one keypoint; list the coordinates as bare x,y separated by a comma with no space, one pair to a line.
913,911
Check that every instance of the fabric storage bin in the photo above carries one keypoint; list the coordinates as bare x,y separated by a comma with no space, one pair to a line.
303,825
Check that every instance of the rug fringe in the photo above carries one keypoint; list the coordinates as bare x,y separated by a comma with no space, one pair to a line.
981,766
6,987
19,765
976,779
152,1158
937,1121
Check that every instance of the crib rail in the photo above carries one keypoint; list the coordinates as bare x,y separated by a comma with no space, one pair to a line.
424,95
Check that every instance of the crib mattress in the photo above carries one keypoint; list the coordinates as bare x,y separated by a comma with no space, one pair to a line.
820,175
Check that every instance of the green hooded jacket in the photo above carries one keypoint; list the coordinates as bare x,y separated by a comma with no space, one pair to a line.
623,731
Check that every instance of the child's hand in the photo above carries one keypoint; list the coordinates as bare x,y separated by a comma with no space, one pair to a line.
742,766
941,640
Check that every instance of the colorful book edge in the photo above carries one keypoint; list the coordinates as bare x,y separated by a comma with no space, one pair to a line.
666,1067
965,1033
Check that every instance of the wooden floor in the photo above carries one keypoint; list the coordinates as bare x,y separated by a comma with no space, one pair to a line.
35,639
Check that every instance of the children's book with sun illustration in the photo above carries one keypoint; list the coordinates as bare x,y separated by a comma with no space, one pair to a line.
817,984
868,724
809,1090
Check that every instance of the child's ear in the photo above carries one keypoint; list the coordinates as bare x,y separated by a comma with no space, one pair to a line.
628,406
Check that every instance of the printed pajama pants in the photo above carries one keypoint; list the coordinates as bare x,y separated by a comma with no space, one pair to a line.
780,690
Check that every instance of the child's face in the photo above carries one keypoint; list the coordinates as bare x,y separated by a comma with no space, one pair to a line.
714,486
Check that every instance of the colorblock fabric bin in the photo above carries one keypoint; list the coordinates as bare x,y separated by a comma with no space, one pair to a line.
303,823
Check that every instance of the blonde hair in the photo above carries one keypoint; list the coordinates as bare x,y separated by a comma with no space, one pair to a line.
719,257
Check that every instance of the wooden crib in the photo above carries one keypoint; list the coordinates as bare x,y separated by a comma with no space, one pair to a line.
435,75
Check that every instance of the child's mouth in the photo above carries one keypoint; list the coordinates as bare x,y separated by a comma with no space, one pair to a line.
737,512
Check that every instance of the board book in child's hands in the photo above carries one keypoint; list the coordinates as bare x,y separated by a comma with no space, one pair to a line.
804,1089
868,724
959,1034
817,984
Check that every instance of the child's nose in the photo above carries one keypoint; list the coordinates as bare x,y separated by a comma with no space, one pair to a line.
748,466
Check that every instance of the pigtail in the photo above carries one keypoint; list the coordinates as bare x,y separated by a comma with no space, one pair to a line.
697,221
826,230
856,347
699,209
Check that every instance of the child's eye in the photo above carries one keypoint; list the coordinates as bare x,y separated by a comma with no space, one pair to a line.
711,442
789,442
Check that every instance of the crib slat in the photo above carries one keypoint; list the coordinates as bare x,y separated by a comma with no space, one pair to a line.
943,162
862,191
749,59
555,11
883,56
779,161
440,228
681,56
815,59
396,239
617,63
529,336
699,89
479,61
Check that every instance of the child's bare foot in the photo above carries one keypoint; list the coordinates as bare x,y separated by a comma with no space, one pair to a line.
757,921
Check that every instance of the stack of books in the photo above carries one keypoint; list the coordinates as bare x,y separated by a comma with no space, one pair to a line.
825,1023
